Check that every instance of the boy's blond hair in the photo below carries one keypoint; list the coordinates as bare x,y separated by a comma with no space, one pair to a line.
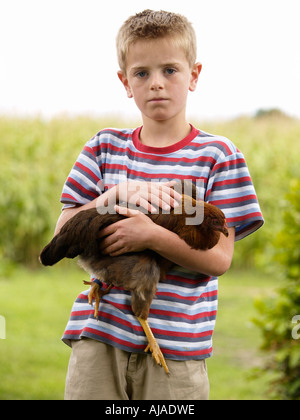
151,24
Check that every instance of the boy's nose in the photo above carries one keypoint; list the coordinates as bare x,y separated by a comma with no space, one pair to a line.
156,82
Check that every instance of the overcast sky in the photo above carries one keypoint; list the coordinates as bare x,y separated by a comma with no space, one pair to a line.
58,56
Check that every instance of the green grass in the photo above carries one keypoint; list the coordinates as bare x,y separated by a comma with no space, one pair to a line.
236,340
37,304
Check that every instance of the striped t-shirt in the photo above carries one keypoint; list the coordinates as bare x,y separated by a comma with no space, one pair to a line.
183,313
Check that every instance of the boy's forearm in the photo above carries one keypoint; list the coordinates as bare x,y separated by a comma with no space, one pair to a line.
213,262
124,191
69,213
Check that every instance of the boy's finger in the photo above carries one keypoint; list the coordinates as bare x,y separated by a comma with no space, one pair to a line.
125,211
148,205
169,195
169,183
107,231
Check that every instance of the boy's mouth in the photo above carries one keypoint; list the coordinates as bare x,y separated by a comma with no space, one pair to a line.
157,100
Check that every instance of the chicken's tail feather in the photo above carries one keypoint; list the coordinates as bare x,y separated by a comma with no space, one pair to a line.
58,249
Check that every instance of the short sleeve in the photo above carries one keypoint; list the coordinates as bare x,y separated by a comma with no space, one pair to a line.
84,182
231,189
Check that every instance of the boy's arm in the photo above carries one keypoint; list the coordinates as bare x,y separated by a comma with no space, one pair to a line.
212,262
136,192
68,213
138,232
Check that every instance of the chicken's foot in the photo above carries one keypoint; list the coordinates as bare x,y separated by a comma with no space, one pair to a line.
96,293
153,345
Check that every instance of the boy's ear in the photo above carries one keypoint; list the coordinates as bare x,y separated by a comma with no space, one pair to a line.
196,70
125,83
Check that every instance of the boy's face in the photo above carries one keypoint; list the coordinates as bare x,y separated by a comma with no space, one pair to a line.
158,77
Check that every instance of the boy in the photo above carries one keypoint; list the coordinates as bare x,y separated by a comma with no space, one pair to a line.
157,57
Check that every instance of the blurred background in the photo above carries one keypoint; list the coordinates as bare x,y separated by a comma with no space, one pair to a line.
59,87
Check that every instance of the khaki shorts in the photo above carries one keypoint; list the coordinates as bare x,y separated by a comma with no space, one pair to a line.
98,371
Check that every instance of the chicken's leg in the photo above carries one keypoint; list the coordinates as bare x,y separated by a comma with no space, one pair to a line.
96,293
153,345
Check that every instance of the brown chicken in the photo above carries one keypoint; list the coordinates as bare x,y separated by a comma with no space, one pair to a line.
137,272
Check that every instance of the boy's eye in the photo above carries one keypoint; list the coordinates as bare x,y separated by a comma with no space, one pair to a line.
141,74
170,71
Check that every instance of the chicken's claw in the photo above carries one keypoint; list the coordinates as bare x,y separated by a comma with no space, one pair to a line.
153,345
157,355
96,293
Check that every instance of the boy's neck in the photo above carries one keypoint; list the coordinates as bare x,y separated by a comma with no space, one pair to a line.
163,133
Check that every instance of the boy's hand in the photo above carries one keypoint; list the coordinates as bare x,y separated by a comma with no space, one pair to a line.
129,235
135,233
148,194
